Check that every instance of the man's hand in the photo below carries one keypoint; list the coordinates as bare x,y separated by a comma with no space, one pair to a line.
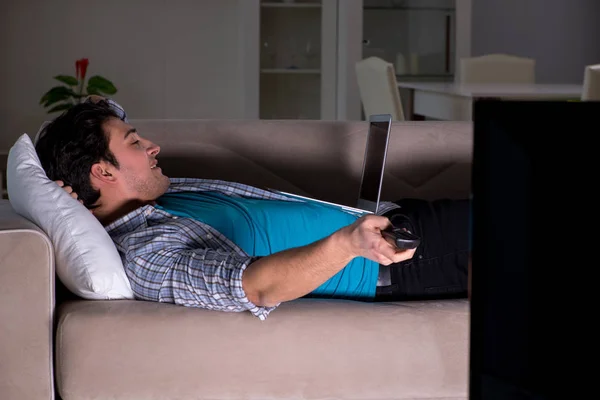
69,190
364,239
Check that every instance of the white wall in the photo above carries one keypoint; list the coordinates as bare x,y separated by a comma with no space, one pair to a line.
168,59
562,35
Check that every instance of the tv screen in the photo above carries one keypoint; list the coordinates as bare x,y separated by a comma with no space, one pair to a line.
535,172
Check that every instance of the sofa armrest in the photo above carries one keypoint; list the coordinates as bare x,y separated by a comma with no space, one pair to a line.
26,308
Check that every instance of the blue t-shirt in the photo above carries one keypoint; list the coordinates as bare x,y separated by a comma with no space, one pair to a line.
262,227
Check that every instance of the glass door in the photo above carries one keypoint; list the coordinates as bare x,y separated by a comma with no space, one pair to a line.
416,36
290,59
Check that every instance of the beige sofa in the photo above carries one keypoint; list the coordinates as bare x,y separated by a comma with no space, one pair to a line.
56,347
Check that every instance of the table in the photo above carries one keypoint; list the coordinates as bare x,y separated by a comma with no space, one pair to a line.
454,102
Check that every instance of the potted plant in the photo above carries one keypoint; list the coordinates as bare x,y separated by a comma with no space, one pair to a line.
63,97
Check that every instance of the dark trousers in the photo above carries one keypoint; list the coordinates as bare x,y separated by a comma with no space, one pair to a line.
439,267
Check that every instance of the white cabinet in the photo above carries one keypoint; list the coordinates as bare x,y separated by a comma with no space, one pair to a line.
299,56
416,36
424,39
299,59
293,60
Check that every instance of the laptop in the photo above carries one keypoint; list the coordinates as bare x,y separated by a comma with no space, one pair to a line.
369,193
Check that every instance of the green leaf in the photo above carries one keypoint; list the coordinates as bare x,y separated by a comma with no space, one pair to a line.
69,80
99,84
60,107
93,90
56,94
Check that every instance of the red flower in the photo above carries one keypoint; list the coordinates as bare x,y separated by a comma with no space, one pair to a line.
81,68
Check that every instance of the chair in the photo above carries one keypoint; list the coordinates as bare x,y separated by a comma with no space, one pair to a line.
591,83
497,68
378,88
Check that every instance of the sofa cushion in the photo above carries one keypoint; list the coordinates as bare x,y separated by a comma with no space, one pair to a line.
308,349
87,261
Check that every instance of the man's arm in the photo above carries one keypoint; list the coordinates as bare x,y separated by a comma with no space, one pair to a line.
293,273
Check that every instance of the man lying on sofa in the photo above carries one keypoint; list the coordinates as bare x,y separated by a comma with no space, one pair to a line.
232,247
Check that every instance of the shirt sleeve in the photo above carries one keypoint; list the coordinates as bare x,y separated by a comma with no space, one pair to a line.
167,269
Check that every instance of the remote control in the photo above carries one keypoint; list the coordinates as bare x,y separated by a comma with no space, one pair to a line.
404,240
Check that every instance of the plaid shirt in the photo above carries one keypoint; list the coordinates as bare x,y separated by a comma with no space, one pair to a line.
184,261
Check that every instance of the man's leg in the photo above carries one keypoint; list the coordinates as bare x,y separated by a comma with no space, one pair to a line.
439,268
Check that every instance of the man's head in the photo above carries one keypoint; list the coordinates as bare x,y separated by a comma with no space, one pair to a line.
102,157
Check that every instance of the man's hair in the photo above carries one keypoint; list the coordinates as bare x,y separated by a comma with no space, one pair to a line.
73,142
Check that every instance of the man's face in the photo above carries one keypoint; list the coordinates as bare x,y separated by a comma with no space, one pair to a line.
138,174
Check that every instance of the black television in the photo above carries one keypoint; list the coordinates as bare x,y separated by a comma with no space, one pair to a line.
533,224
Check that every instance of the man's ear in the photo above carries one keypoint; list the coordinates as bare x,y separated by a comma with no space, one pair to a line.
102,172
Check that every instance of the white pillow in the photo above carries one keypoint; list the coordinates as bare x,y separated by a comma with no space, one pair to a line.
87,261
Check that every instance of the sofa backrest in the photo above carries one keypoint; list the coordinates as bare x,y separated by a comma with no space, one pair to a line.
426,159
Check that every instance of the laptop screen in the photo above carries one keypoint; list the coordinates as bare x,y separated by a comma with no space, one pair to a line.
534,171
374,161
